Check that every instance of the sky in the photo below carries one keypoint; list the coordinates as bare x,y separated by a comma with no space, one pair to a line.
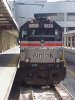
53,0
47,0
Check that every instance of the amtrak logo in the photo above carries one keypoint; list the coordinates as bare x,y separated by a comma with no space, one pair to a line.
43,55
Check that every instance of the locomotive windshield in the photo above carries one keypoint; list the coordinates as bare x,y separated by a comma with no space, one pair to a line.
41,30
37,34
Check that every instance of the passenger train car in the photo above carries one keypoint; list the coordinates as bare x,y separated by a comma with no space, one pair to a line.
69,46
41,55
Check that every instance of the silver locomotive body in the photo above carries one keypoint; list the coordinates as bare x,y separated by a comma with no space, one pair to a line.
42,65
41,54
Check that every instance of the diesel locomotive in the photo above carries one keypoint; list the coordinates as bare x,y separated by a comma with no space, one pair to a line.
41,52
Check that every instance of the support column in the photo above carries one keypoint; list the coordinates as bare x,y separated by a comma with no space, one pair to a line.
71,42
0,42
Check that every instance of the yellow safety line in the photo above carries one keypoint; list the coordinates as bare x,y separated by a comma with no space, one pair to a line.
14,61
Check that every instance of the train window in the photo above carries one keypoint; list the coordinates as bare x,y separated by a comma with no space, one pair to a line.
47,34
33,32
73,41
58,35
41,34
69,41
24,33
41,31
56,32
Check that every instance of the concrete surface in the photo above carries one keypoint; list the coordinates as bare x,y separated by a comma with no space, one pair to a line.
7,75
9,57
69,83
8,68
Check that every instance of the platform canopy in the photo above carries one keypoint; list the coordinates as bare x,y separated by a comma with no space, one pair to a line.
7,21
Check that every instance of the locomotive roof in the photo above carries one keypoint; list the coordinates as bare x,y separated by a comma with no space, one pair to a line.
36,21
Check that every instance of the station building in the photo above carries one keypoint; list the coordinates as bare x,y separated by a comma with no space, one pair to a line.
7,40
8,27
63,12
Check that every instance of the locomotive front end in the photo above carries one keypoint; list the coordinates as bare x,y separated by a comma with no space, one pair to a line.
41,54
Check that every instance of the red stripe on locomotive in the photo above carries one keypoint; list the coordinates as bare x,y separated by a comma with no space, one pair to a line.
38,44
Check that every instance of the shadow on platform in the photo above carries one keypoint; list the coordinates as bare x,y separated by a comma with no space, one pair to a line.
8,60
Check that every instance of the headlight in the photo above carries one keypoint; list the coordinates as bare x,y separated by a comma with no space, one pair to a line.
27,60
57,60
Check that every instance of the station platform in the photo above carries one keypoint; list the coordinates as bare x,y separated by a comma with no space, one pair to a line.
8,56
70,69
8,68
69,81
14,50
69,84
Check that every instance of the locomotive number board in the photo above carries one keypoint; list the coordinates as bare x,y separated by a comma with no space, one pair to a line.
38,26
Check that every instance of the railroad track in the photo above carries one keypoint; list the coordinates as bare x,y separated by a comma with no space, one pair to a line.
63,92
45,93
